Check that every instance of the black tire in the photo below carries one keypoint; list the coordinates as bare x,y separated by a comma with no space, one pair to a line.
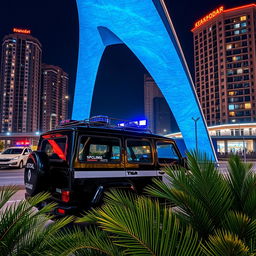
35,174
20,165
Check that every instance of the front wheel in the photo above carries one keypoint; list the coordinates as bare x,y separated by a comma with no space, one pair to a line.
21,164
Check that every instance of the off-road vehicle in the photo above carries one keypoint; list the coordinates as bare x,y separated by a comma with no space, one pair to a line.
77,162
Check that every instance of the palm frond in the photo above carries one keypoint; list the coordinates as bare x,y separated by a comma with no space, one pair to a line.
6,193
143,228
224,243
242,181
19,221
202,195
89,242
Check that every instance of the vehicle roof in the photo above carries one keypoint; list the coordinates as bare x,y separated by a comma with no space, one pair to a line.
117,131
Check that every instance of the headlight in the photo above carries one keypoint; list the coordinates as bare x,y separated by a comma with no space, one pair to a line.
16,158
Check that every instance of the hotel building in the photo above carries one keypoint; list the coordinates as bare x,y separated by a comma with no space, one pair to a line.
225,64
225,77
20,83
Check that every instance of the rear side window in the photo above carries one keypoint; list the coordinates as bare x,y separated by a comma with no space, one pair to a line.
55,148
139,151
166,152
99,150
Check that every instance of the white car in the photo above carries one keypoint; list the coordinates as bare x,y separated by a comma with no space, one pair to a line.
14,157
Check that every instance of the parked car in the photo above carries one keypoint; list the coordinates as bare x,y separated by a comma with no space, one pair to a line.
77,162
14,157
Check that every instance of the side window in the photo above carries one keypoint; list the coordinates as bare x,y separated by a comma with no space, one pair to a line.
25,151
166,152
138,151
55,148
99,150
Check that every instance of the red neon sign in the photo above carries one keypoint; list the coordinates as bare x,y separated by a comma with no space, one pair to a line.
208,17
21,31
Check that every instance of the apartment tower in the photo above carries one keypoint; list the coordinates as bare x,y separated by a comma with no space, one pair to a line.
54,96
225,64
20,82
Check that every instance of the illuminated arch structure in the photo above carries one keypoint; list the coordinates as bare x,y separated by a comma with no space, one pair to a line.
146,29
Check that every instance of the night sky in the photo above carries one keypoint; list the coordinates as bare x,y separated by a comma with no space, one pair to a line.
119,86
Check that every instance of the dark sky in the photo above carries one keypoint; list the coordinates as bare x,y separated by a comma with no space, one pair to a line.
119,86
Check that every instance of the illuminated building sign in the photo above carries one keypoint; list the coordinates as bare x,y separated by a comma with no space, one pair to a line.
208,17
21,31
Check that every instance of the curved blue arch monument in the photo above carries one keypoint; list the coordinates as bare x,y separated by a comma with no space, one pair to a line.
145,27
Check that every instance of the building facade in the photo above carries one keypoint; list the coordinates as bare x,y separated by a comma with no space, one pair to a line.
225,65
156,110
239,139
20,83
54,96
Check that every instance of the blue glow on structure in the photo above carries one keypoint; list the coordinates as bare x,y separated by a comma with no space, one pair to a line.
145,27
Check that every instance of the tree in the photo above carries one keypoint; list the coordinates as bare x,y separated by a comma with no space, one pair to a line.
220,208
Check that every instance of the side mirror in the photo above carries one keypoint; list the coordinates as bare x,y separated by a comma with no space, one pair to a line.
26,153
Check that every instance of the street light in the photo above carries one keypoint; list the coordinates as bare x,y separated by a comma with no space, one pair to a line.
195,120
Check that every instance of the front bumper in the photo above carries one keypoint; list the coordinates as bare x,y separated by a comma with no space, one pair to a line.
12,163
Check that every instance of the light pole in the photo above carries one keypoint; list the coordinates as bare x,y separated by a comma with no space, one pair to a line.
195,120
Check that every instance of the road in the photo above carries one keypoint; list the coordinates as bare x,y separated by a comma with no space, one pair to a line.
11,177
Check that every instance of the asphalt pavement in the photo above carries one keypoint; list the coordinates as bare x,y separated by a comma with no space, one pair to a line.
12,177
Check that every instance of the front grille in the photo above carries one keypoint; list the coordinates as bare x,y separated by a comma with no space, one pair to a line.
5,160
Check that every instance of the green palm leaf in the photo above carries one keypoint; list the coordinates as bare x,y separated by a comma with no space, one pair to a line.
242,181
202,195
143,228
89,242
225,244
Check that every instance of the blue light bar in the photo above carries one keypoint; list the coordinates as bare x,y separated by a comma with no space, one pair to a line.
137,123
100,119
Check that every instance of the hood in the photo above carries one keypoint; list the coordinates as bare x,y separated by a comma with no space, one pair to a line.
8,156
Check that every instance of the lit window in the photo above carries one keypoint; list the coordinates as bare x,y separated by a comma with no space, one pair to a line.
239,71
237,32
242,18
231,107
232,93
237,25
243,24
247,106
229,46
232,113
244,30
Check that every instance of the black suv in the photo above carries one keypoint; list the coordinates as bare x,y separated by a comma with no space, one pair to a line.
80,160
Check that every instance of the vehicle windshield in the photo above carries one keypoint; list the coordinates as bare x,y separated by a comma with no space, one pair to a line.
12,151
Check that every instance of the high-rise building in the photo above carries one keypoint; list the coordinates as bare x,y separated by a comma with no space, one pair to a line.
225,64
20,82
159,116
54,96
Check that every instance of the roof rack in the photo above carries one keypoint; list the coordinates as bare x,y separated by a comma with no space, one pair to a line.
108,122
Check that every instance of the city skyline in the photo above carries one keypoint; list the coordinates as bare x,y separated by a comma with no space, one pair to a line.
34,95
59,37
